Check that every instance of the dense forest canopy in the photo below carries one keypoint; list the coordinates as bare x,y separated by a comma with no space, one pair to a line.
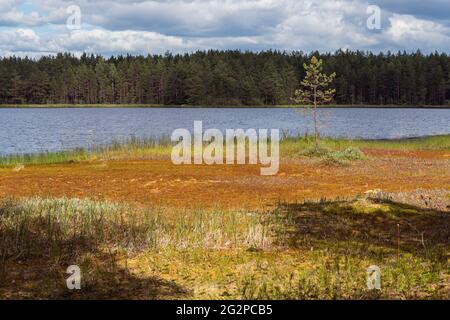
223,78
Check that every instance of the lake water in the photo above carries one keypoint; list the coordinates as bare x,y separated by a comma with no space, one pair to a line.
40,130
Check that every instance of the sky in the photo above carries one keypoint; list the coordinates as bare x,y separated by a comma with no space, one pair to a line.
42,27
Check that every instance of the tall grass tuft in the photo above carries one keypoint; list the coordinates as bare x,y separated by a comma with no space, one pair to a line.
38,227
130,148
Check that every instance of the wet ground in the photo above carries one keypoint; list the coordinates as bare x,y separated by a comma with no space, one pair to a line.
160,183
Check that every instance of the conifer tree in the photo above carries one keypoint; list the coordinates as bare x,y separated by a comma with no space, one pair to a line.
315,90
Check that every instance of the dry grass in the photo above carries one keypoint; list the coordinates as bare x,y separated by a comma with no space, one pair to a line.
39,238
310,250
38,226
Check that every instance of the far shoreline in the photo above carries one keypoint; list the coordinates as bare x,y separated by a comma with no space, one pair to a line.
156,106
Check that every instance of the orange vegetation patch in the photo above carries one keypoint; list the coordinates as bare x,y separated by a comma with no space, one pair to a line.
160,183
421,154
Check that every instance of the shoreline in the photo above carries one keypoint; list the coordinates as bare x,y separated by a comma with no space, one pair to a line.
156,106
152,148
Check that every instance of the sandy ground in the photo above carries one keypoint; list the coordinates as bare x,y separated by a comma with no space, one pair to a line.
160,183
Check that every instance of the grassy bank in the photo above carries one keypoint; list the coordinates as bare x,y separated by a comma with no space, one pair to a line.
297,146
162,148
131,149
57,106
310,250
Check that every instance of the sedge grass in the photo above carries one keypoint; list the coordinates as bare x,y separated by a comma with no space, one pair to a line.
291,147
311,250
133,148
149,148
37,225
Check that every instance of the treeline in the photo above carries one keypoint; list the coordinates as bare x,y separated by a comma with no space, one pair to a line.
223,78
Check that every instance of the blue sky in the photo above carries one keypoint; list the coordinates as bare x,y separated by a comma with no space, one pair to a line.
39,27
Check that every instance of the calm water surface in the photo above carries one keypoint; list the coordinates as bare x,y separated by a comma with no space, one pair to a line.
40,130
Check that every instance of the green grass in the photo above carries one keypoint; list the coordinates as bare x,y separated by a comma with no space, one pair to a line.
310,250
44,227
340,239
334,157
292,147
133,148
41,237
55,105
336,150
331,276
441,142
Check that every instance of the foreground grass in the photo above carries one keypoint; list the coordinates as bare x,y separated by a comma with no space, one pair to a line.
41,237
332,150
311,250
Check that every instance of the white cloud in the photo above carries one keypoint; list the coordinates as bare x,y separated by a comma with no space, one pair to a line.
150,26
406,28
118,41
20,40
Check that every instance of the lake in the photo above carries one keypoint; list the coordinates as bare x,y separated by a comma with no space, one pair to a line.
40,130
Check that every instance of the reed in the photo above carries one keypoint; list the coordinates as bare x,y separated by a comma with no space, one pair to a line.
161,148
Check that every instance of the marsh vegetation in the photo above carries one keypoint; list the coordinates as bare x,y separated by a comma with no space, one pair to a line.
308,250
290,147
193,246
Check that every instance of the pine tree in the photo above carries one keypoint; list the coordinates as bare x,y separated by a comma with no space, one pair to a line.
103,81
16,88
271,84
219,77
315,90
196,84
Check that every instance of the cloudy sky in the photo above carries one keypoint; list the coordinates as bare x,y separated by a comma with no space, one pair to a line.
40,27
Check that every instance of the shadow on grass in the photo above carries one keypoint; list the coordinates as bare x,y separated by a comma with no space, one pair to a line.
39,279
36,250
393,226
